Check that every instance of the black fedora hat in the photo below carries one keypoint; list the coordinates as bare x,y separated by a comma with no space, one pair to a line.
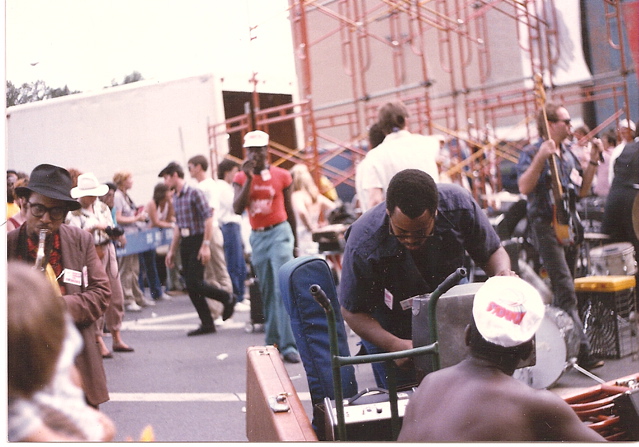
53,182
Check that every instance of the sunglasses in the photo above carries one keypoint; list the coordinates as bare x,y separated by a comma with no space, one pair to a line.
55,213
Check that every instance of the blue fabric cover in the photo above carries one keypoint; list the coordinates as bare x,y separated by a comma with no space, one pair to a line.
310,326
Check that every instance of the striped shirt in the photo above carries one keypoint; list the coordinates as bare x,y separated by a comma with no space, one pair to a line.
191,209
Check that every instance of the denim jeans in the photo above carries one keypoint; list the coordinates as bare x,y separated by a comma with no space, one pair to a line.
234,254
271,250
149,270
559,262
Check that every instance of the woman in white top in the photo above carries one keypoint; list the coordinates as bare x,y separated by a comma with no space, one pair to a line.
95,217
310,209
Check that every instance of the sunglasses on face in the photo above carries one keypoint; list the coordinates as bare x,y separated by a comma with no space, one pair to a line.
55,213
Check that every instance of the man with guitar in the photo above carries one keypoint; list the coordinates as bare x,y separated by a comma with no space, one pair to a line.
552,179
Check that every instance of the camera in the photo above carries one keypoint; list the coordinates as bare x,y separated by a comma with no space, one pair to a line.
114,231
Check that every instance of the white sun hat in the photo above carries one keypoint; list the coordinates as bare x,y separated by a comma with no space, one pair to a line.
507,311
88,185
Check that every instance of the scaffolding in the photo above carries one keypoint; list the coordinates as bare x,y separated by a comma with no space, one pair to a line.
441,59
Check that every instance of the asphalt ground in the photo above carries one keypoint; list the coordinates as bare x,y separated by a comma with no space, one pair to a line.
194,388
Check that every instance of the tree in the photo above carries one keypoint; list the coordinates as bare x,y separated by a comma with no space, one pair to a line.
128,79
12,94
57,92
31,92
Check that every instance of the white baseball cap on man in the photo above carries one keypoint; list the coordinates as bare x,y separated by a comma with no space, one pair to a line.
624,123
507,311
256,138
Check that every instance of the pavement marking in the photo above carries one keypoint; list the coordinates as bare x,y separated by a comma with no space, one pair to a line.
156,319
159,323
187,397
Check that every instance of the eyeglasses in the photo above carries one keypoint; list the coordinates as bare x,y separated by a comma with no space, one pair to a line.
55,213
419,235
566,122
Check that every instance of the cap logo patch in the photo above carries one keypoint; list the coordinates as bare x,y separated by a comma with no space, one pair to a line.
514,316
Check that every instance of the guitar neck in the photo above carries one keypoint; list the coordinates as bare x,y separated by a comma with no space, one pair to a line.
557,189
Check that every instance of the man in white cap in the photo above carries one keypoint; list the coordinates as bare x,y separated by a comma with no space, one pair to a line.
478,399
265,192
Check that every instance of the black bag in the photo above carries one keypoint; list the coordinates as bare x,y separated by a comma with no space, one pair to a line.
257,307
343,214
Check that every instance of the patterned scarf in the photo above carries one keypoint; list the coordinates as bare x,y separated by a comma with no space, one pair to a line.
54,266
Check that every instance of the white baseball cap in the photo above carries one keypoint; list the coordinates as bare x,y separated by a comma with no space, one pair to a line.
257,138
507,311
627,124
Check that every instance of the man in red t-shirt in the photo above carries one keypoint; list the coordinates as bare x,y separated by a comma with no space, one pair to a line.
265,193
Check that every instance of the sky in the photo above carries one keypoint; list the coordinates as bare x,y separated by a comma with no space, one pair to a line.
85,44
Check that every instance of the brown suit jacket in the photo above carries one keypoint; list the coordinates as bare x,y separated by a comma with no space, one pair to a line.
85,303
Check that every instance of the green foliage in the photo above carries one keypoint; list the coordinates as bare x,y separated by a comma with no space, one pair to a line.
38,90
34,91
128,79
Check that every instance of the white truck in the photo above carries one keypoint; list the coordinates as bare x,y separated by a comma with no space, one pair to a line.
139,127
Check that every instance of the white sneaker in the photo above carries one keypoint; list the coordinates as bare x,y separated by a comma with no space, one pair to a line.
165,297
242,306
147,303
133,307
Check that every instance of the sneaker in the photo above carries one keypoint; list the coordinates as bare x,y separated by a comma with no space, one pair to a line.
163,297
133,307
202,330
229,307
589,362
242,307
292,357
147,303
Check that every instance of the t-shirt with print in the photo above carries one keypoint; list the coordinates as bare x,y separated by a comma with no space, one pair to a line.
266,198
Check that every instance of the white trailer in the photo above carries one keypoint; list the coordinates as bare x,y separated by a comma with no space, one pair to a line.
139,127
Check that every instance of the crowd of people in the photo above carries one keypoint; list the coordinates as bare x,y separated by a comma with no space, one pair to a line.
55,211
415,229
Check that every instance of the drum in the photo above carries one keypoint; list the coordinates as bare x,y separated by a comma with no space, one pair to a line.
556,348
613,259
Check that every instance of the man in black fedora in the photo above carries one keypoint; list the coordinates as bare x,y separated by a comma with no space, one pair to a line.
70,262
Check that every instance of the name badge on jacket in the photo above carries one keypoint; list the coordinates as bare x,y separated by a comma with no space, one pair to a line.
72,277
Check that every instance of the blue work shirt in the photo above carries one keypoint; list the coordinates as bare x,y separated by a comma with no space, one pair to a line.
540,201
378,272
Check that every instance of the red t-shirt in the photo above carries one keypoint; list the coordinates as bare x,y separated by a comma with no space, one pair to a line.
266,199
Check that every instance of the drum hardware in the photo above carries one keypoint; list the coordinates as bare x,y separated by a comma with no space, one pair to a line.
585,372
613,259
590,239
556,350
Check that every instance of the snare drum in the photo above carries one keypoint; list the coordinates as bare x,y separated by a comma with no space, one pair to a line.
556,348
613,259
